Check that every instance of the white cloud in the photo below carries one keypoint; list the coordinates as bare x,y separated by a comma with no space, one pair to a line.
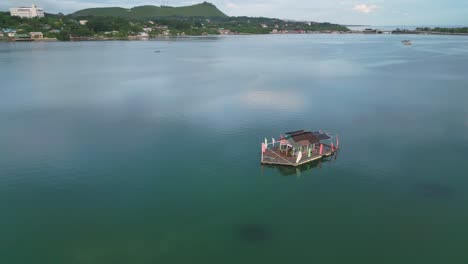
231,5
70,6
365,8
391,12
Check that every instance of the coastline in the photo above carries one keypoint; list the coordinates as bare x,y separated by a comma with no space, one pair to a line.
161,37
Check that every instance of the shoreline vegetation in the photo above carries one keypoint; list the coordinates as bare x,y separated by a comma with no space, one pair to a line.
463,31
144,22
149,22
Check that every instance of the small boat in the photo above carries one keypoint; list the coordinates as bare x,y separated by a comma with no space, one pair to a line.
299,147
407,42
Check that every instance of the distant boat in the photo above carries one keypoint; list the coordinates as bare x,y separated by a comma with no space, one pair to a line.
407,42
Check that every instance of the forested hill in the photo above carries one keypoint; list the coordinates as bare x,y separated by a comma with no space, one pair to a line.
199,10
111,23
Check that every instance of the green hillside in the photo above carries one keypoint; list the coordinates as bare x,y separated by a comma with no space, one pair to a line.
199,10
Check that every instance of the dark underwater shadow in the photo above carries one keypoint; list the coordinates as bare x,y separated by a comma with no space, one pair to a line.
433,190
254,233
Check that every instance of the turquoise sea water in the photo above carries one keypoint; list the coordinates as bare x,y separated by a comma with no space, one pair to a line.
111,152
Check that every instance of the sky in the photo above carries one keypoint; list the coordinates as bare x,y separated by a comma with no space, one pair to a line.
349,12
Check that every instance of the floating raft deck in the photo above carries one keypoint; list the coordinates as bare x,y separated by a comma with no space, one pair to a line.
273,156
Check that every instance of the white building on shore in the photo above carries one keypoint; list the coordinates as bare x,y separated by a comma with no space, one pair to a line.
36,35
27,12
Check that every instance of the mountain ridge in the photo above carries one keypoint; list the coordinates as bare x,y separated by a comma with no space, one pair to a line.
204,9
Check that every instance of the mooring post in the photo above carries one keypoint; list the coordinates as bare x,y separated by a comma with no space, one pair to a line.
262,152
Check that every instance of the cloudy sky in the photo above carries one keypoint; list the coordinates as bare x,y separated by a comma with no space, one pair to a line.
372,12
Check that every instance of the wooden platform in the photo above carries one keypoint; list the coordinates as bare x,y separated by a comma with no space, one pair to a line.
273,156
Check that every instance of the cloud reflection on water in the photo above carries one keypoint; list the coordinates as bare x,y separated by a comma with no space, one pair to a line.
337,68
272,100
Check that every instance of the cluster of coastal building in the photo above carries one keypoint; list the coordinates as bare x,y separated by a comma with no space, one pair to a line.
11,34
23,12
33,11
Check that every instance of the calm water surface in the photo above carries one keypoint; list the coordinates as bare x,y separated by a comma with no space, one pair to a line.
111,152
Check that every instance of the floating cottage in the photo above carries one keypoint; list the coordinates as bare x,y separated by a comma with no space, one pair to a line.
298,147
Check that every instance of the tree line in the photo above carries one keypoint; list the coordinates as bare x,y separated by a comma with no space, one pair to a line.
444,30
63,27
